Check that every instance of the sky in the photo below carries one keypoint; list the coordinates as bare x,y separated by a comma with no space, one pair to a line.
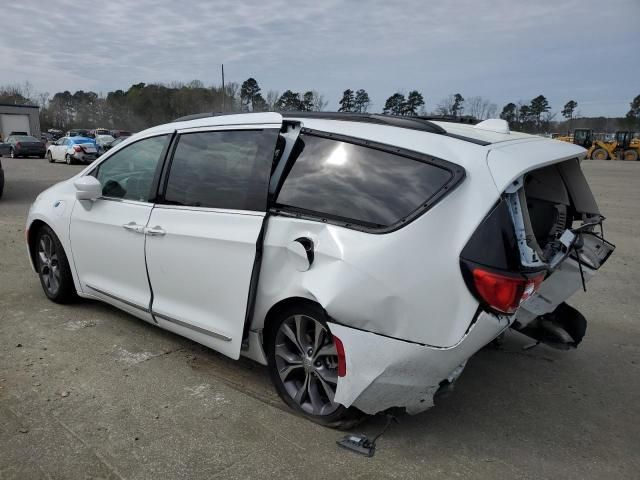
503,50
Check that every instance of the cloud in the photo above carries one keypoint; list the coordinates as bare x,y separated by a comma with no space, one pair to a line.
504,50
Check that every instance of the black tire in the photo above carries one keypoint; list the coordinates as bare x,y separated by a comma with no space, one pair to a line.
337,416
53,267
49,157
630,155
600,154
12,154
68,159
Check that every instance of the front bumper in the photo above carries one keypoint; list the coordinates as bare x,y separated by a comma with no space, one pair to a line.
384,372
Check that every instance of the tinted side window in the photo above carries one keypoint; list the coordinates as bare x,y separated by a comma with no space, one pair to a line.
222,169
359,183
129,173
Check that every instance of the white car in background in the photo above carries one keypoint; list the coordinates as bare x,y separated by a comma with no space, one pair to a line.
103,143
363,258
72,150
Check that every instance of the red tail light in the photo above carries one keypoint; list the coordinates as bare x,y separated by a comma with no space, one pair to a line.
77,148
505,293
342,359
18,144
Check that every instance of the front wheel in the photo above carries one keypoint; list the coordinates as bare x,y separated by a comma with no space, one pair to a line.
303,364
49,157
630,155
53,267
600,154
12,154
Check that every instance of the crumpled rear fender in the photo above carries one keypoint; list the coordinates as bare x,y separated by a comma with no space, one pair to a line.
383,372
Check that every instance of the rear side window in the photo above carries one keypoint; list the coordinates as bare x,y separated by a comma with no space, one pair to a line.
222,169
358,183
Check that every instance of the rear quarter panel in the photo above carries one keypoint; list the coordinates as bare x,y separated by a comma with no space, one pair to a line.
406,284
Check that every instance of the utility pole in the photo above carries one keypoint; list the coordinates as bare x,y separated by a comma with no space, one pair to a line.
224,94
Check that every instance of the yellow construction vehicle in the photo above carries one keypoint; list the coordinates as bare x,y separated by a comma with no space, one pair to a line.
623,146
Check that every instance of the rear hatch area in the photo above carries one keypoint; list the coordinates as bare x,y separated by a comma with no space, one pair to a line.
543,241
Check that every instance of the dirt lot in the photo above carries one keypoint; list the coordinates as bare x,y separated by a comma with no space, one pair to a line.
89,392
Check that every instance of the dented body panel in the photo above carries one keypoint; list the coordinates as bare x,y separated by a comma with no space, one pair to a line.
398,297
403,373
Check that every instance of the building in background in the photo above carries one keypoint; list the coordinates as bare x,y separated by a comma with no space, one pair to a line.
19,118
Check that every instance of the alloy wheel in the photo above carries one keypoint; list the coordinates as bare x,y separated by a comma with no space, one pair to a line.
12,153
307,363
49,265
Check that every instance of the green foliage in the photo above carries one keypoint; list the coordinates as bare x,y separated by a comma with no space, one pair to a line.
144,105
361,102
347,102
510,114
394,105
457,107
289,101
250,95
397,104
569,108
414,101
633,115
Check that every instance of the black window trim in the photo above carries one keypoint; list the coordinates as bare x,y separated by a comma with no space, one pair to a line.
163,179
457,172
156,176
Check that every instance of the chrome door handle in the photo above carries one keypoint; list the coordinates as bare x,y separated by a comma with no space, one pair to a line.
155,231
134,227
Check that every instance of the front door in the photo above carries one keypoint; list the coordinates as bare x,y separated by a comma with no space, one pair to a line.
201,237
108,234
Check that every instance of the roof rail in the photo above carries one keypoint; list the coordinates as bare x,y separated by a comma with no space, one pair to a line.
413,123
470,119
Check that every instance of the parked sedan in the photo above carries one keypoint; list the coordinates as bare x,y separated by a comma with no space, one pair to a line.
22,146
72,150
103,142
363,258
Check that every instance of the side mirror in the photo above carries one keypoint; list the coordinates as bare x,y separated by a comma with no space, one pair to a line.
87,188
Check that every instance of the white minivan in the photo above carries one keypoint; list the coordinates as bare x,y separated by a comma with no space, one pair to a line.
363,258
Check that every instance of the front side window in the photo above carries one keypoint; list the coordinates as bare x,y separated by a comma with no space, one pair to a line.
129,173
357,183
222,169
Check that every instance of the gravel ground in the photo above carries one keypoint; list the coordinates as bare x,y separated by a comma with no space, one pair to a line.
87,391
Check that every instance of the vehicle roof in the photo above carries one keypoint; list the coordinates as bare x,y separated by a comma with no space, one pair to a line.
454,128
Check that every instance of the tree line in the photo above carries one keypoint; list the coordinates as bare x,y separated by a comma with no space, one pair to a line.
143,105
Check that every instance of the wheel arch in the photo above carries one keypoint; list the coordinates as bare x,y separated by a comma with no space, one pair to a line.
277,308
31,234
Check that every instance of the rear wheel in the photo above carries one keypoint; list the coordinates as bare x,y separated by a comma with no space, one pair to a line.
630,155
53,267
303,364
600,154
49,157
12,153
68,159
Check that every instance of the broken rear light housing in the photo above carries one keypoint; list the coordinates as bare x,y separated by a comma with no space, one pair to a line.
502,292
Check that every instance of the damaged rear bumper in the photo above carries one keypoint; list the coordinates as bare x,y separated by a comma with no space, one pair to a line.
383,372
